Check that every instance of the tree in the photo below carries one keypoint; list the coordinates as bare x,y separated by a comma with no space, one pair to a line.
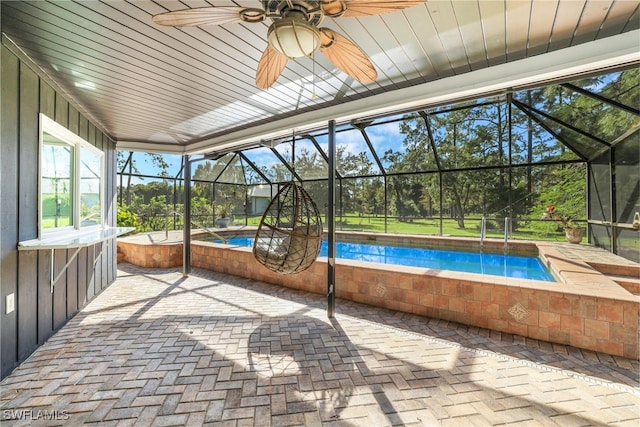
464,139
154,214
127,160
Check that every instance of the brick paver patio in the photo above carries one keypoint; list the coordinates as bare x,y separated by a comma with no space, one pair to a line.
159,349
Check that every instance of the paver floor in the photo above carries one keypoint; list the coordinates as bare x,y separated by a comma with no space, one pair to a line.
158,349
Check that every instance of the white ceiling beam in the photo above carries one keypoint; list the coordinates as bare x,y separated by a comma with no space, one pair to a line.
150,147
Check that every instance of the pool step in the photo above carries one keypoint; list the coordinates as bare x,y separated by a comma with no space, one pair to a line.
625,275
631,270
632,284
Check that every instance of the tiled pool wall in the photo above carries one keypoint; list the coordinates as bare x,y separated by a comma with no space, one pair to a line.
149,254
513,247
585,309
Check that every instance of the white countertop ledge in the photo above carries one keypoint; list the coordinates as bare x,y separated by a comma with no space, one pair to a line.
74,238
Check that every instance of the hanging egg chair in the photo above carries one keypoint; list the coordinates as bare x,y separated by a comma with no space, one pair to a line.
290,233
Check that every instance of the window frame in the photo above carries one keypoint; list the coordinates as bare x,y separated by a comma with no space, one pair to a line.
50,126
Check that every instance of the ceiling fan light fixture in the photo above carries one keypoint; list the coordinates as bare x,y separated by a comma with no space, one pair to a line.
294,37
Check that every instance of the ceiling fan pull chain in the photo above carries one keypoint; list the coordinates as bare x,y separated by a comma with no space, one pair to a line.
313,76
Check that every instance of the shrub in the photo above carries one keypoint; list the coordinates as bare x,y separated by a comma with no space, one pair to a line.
126,218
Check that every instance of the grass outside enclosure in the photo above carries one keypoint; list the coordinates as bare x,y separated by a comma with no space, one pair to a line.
526,229
63,221
535,230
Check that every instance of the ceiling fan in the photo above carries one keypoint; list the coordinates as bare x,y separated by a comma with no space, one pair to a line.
294,32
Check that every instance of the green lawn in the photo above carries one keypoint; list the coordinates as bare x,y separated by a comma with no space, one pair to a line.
48,223
432,227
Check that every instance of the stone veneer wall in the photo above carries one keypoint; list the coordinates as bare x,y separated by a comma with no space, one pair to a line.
151,255
588,311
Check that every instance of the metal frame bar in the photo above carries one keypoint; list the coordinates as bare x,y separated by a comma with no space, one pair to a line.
524,109
603,99
331,222
286,164
321,151
362,128
427,122
235,154
254,167
389,174
186,232
612,201
563,123
508,224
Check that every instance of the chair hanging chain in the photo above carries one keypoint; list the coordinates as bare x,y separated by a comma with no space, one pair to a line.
293,169
293,155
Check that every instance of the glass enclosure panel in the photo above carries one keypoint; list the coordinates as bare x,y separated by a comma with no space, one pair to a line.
443,169
149,165
609,121
232,170
318,192
90,187
629,244
582,144
229,200
591,115
265,160
601,236
627,178
251,175
563,187
259,197
57,183
353,155
209,170
309,162
524,207
411,204
281,171
623,87
565,106
389,141
468,196
322,140
600,189
413,151
157,204
531,143
472,137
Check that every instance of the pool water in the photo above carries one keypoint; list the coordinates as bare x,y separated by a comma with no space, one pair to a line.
516,266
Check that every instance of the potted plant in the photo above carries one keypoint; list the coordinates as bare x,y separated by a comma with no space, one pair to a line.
572,232
224,211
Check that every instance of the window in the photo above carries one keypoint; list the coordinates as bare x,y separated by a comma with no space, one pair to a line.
56,185
71,173
90,186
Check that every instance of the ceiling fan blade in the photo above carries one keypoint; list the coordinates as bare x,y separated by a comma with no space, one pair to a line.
347,56
270,67
354,8
200,16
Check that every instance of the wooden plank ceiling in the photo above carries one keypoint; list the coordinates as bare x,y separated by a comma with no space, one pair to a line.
151,84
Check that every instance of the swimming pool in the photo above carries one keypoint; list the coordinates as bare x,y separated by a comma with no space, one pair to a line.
516,266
